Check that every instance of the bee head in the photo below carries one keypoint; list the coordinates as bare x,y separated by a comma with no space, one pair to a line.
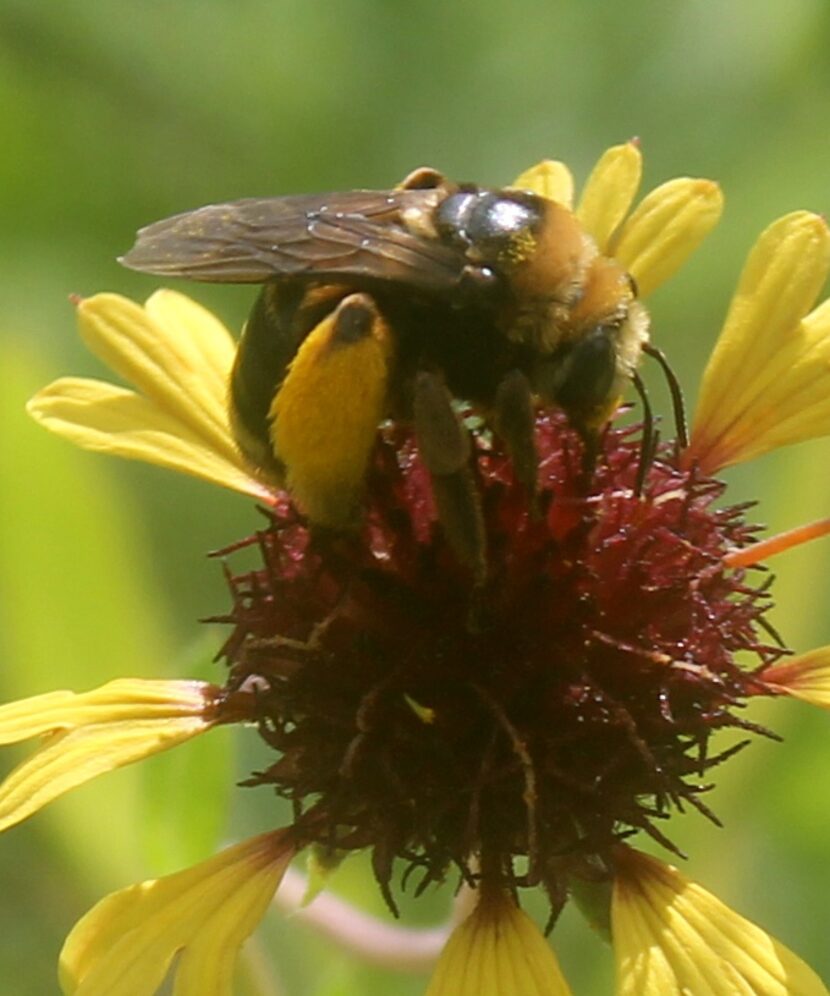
600,347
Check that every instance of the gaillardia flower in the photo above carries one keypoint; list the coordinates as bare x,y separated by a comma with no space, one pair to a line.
514,730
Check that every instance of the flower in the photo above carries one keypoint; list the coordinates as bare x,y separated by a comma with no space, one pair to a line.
516,726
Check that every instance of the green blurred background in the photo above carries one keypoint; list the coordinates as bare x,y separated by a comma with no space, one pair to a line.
118,113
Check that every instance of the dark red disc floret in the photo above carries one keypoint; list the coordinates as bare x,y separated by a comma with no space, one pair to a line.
524,725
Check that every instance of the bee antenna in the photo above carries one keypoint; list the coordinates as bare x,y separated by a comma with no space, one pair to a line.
648,443
677,401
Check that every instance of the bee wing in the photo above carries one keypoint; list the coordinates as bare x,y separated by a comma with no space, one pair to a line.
357,236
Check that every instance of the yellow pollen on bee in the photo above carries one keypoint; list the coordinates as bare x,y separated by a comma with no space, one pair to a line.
426,714
520,248
326,412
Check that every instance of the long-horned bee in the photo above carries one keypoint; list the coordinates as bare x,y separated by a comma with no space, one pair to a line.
393,303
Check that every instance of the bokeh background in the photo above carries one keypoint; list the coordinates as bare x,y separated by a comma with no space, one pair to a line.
114,114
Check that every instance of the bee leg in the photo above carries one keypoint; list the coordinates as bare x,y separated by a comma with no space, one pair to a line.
514,420
444,445
650,437
283,315
324,417
584,383
591,446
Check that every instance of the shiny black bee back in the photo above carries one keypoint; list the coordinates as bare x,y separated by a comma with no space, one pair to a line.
487,223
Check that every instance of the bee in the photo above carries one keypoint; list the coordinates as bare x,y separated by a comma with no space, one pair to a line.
395,304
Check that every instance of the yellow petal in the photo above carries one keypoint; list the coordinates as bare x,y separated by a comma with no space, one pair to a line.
174,352
125,944
93,732
672,938
122,699
610,191
665,229
109,419
549,178
497,951
200,333
806,677
789,408
765,383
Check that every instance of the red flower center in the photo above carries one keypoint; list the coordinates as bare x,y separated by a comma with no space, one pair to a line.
543,715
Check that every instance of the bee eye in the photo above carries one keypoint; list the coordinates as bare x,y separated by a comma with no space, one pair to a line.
581,379
632,283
